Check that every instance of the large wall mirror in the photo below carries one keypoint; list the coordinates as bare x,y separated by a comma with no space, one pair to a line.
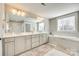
17,21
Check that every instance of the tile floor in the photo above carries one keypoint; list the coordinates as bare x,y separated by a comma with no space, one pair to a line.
44,50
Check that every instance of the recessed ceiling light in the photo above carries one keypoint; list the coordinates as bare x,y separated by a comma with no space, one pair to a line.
43,4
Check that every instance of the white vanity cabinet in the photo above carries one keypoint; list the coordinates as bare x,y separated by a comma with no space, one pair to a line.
28,42
35,44
43,38
9,49
19,44
35,38
35,41
51,39
9,46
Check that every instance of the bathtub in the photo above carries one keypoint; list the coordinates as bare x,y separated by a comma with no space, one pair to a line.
67,44
67,37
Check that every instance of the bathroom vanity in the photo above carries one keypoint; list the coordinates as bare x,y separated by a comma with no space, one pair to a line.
21,33
15,44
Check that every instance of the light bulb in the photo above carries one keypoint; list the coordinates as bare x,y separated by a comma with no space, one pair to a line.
14,11
39,19
19,13
23,14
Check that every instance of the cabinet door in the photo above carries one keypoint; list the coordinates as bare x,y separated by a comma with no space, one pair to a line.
19,44
9,49
35,44
51,39
43,39
28,42
35,38
6,49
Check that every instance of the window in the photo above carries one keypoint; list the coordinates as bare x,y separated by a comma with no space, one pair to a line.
40,27
66,24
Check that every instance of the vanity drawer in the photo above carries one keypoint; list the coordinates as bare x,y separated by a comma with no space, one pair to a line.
43,40
35,36
28,37
35,39
35,44
44,36
9,39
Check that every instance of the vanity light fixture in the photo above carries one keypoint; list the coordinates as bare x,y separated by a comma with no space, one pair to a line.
18,12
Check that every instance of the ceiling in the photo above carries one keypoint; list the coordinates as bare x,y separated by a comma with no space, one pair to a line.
50,10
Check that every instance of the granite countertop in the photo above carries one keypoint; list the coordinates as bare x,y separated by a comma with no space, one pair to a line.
20,34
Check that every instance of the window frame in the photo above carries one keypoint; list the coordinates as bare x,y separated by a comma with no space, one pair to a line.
67,30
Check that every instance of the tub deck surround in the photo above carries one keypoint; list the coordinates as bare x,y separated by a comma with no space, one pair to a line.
15,44
66,37
67,44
